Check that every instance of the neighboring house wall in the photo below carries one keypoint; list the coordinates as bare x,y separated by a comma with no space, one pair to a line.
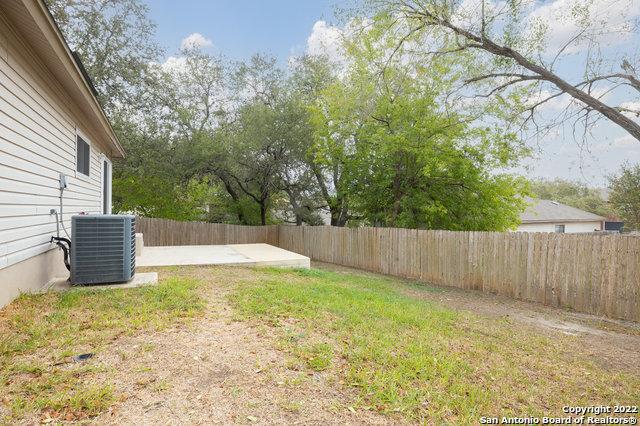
38,126
569,227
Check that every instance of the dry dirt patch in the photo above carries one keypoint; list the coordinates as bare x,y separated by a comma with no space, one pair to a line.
219,371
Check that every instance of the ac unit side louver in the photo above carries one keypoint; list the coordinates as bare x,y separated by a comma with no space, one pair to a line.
103,249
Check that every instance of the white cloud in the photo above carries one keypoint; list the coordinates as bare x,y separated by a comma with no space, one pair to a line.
633,106
326,40
609,21
174,63
195,41
178,63
625,142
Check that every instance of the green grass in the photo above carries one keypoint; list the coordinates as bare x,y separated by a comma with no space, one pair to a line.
401,355
420,360
39,334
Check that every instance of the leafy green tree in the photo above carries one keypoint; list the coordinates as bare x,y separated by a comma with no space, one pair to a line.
625,195
327,161
160,176
296,178
192,106
374,140
260,149
258,153
193,93
264,145
148,183
115,41
399,159
573,194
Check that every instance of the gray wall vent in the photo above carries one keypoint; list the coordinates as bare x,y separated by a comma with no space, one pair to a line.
103,248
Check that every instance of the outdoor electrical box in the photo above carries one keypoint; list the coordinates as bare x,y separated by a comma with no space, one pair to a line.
63,181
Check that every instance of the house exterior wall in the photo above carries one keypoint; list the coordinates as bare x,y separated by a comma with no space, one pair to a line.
37,143
570,227
30,275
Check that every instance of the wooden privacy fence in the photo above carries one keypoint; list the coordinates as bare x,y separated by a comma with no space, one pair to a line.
165,232
597,274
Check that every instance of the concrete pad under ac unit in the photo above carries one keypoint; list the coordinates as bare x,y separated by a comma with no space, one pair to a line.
140,279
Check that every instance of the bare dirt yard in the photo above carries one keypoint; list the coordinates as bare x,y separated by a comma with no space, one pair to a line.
222,371
331,345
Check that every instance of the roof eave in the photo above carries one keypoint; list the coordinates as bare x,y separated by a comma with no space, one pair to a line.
562,220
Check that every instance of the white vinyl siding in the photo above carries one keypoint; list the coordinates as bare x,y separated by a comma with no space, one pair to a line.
569,227
37,143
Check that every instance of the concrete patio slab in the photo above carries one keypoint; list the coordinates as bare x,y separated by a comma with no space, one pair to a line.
139,279
268,255
190,255
233,254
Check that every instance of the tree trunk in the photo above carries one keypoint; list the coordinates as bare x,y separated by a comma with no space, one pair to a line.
339,215
263,213
294,205
234,196
397,193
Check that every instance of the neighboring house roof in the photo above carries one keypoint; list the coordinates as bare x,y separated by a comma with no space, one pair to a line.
39,30
540,211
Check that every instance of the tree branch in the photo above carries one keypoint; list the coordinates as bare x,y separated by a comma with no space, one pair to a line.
488,45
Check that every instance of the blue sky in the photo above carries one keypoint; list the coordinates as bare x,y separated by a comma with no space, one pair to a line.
239,28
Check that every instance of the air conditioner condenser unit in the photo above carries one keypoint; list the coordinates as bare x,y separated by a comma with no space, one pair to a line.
103,249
